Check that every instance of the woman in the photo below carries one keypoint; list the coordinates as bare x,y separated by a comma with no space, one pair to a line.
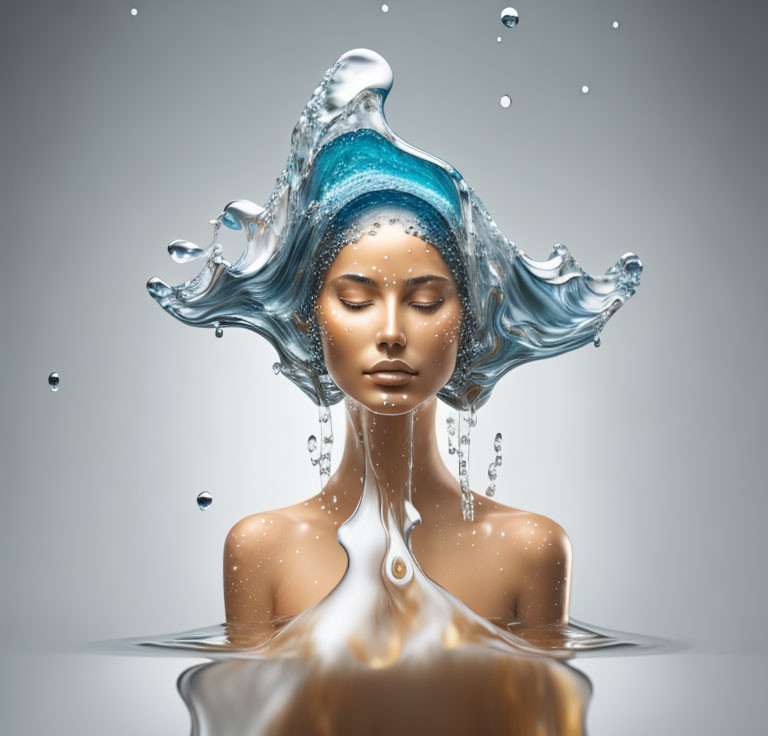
379,277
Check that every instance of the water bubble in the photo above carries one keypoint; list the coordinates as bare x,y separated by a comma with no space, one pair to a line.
505,101
312,443
615,24
204,500
509,17
134,11
585,88
385,8
277,368
53,381
219,332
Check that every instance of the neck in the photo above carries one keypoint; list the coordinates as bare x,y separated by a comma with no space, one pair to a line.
389,441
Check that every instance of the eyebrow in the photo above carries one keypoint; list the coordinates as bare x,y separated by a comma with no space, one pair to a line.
415,281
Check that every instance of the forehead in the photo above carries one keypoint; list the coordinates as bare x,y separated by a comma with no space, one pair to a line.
390,250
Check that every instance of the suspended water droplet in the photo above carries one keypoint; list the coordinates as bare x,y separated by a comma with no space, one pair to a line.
585,89
134,11
497,443
385,8
597,341
183,251
312,443
505,101
509,17
53,381
276,368
491,490
498,461
219,332
615,24
325,414
204,500
498,39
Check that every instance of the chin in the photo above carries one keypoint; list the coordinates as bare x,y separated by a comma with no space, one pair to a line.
392,405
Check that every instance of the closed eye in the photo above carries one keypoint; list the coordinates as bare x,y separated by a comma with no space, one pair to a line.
427,306
355,305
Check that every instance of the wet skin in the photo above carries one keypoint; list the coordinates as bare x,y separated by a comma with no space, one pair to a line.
390,320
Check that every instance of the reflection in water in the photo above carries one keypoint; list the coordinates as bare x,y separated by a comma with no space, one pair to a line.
388,650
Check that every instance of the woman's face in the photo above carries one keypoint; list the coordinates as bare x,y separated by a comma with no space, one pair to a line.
390,319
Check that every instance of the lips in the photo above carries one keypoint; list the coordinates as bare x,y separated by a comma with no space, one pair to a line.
390,378
391,373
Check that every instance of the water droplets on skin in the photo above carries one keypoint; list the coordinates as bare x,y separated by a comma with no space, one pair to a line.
505,101
204,500
509,17
53,381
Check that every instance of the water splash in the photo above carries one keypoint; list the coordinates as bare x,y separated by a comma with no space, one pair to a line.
341,149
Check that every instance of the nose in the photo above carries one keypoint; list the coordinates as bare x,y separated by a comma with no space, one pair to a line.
391,332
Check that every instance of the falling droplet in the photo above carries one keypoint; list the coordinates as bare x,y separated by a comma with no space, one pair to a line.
585,89
497,443
312,443
498,39
277,368
134,11
53,381
615,24
219,332
509,17
204,500
505,101
385,8
492,474
597,341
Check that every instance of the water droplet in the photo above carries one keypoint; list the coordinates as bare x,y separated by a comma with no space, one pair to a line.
597,341
398,568
505,101
53,381
497,443
615,24
585,89
183,251
498,39
492,471
385,8
134,11
219,332
509,17
312,443
204,500
276,368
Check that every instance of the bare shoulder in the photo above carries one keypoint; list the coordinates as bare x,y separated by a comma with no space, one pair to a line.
542,538
259,531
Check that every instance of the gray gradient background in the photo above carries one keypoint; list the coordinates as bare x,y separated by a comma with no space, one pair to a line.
120,134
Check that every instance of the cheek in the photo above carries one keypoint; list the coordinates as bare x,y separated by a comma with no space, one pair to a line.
441,339
341,338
